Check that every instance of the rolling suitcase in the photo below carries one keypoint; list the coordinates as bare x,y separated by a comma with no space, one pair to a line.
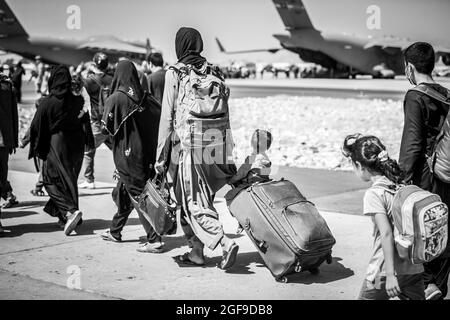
288,231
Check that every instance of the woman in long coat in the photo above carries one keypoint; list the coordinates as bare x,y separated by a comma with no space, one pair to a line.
58,136
133,122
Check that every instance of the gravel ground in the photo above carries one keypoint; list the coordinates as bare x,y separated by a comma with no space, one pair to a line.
308,131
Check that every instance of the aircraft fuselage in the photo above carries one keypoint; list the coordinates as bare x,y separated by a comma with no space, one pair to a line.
342,48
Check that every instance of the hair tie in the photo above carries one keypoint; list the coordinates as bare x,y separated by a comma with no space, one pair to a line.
383,156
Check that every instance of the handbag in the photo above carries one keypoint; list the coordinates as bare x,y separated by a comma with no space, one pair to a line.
156,205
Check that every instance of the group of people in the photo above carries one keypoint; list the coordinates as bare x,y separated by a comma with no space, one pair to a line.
388,275
145,126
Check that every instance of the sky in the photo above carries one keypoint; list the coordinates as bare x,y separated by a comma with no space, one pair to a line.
239,24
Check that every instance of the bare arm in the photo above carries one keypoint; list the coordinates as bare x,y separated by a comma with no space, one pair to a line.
387,243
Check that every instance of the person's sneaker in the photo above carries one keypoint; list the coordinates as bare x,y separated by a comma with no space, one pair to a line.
11,201
432,292
87,185
107,236
72,222
155,247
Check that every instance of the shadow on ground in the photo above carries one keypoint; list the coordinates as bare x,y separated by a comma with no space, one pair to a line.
93,194
33,203
90,225
328,272
17,214
87,228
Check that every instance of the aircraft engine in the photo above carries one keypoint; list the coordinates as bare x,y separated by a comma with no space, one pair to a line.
446,59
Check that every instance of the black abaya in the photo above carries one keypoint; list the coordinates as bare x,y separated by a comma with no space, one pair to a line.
57,136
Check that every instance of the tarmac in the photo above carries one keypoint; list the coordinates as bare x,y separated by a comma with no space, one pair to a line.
363,88
37,259
39,262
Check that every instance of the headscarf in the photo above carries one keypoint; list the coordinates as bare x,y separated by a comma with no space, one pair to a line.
59,81
126,79
188,46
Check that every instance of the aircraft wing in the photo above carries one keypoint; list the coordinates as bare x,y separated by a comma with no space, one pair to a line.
9,25
400,43
222,49
388,43
112,45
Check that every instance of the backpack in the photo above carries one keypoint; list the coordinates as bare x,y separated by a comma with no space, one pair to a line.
103,93
439,160
420,221
203,104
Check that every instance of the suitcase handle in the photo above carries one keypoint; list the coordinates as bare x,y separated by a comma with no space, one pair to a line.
261,244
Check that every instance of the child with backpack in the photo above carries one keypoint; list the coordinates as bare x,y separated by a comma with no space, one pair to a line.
388,275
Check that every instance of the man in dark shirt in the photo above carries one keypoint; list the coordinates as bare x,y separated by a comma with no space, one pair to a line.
9,135
424,117
97,82
156,79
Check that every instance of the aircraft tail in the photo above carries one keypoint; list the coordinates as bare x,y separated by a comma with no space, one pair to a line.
221,47
9,24
293,14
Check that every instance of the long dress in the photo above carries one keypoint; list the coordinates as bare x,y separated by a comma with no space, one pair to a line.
58,137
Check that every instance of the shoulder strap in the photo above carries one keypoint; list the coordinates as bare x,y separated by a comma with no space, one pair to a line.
390,188
429,91
97,79
423,88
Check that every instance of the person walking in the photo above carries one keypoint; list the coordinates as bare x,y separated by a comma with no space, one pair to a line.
198,179
424,117
98,86
57,136
156,78
9,134
133,125
16,78
388,275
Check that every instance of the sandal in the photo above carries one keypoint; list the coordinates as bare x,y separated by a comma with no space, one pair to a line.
185,261
229,257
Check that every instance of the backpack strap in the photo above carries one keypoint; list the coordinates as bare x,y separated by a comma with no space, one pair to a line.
97,79
433,93
390,188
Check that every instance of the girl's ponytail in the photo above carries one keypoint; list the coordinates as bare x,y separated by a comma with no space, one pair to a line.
390,169
372,155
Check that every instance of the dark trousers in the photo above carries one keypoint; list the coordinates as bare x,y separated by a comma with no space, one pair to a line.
411,286
124,204
437,271
4,184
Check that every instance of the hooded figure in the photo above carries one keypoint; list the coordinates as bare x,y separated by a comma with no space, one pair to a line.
197,178
57,136
131,117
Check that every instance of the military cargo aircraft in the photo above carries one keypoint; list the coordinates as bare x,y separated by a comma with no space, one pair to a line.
368,37
15,39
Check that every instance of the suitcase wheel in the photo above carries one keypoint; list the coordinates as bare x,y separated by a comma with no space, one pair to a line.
282,279
314,271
